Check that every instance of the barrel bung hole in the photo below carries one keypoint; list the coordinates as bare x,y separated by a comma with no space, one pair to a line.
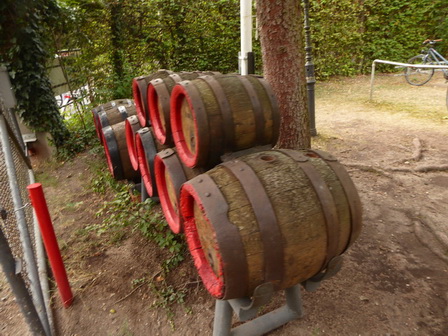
267,158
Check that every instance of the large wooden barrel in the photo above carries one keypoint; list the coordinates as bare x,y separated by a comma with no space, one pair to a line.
212,115
132,125
139,89
170,174
159,93
116,115
105,107
147,148
116,149
278,216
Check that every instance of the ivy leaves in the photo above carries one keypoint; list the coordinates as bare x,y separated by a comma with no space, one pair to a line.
25,59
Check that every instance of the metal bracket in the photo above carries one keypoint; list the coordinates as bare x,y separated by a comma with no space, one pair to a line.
333,267
263,324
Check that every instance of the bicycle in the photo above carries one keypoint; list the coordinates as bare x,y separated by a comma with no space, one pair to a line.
430,56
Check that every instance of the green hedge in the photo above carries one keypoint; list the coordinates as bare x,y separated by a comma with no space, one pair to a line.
348,35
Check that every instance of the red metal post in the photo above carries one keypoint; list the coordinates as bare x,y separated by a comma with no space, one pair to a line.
39,203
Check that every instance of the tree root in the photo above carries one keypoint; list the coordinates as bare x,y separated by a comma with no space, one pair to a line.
384,170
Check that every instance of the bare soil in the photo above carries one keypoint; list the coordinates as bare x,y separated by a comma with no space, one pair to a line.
394,278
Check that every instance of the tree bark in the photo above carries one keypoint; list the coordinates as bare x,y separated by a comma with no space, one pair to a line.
280,24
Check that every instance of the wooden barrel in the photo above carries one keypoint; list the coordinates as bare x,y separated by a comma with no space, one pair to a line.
212,115
105,107
170,174
278,216
147,149
139,88
116,150
116,115
159,92
132,125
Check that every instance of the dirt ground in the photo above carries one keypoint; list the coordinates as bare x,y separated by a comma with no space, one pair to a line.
394,278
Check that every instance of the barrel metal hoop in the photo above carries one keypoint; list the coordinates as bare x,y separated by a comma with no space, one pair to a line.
123,112
199,114
102,116
324,155
133,121
352,196
226,111
166,153
176,78
327,204
174,167
271,235
164,97
274,108
257,108
114,152
150,149
228,236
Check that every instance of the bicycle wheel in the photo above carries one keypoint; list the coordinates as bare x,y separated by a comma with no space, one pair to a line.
419,76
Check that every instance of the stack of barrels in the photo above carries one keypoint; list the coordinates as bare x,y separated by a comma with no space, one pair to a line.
251,214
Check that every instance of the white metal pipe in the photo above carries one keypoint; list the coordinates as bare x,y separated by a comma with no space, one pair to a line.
405,65
246,34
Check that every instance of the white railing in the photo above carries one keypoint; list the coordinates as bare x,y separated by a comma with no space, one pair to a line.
404,65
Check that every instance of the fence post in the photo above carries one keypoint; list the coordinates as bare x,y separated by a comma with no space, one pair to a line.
25,239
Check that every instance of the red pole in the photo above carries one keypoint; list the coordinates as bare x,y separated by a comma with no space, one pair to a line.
51,245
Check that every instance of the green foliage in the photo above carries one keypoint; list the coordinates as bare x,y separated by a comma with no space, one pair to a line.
82,134
23,36
122,211
120,40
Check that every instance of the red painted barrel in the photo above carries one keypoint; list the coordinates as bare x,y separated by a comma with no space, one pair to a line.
147,149
139,88
170,174
105,107
116,151
159,92
213,115
277,216
132,125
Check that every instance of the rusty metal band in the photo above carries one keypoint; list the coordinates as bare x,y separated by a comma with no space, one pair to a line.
176,78
226,111
123,112
175,170
164,97
271,236
350,191
114,152
231,248
257,109
102,117
135,124
274,108
201,122
326,200
150,149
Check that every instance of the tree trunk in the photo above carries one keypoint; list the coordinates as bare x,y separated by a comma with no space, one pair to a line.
281,24
116,30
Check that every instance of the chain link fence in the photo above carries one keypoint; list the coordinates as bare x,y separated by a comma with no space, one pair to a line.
21,252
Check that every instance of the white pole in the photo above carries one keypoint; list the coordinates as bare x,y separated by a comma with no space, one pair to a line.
246,34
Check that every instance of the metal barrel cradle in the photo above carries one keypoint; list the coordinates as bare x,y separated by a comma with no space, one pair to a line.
246,309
